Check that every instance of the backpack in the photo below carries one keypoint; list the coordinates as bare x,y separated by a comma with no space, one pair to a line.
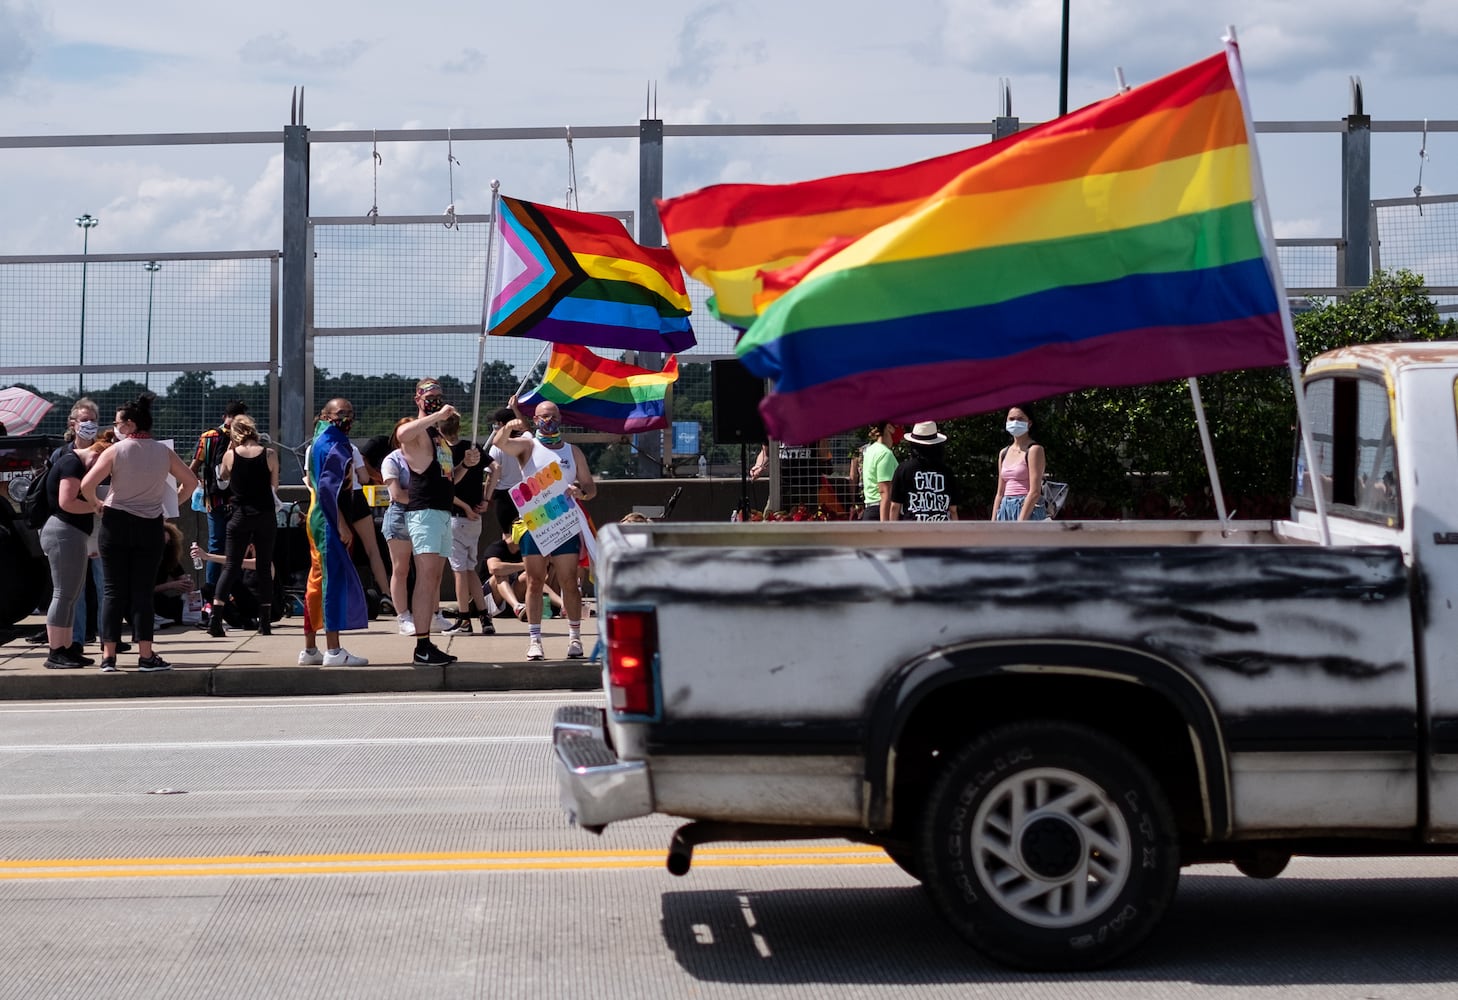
36,507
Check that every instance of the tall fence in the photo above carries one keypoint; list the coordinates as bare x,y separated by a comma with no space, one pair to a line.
365,305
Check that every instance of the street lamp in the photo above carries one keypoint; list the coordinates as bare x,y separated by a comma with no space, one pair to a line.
87,222
152,267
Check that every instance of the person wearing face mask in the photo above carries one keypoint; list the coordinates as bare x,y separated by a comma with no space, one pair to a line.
536,454
878,465
82,429
252,474
509,474
1020,473
334,599
428,512
132,535
211,446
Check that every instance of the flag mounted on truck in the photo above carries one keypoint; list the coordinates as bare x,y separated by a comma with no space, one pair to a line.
1118,245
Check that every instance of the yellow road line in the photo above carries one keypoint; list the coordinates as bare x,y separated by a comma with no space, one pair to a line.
371,864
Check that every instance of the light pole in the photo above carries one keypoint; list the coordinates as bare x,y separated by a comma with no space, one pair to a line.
87,222
152,267
1063,66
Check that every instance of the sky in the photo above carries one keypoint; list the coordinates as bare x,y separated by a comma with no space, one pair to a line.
146,66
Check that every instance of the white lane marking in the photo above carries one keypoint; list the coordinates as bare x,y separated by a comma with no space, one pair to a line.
320,702
262,744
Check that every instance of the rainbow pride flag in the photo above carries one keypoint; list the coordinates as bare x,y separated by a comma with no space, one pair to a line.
579,278
725,235
602,394
1115,246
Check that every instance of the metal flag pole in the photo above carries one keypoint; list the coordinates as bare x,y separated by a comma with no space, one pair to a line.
1273,265
486,316
531,368
1209,456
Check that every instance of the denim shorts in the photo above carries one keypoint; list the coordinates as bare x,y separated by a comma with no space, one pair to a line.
1012,509
394,528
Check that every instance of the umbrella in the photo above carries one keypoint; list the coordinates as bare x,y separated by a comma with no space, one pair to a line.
21,410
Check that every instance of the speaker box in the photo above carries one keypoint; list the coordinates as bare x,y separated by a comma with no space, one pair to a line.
736,396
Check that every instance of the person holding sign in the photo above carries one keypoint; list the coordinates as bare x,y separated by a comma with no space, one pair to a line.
555,477
428,512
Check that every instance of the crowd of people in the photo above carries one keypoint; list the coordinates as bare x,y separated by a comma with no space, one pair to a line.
113,495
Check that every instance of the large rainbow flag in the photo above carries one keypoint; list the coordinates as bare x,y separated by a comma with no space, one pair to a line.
725,235
1115,246
603,394
579,278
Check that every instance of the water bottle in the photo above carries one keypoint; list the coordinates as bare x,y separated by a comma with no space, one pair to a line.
703,467
197,559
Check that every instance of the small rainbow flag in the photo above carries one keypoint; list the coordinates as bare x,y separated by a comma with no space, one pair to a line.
1115,246
602,394
579,278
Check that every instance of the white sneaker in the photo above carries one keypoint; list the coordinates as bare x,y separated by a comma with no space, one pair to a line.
310,658
535,651
574,649
407,624
342,657
439,623
159,622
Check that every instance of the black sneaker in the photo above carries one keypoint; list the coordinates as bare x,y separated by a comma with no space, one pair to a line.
76,651
463,626
123,647
488,627
431,656
108,665
215,627
61,659
152,664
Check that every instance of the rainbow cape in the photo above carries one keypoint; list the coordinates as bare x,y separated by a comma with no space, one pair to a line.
334,599
579,278
602,394
1115,246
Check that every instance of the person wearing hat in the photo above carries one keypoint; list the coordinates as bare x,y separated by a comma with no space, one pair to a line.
921,487
878,464
1020,468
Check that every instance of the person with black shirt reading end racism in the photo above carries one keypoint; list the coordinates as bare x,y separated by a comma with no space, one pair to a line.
472,488
428,513
921,486
537,454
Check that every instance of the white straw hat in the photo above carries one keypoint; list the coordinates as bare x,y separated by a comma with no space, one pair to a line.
925,433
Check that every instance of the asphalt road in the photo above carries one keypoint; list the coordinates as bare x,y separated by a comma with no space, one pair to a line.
412,847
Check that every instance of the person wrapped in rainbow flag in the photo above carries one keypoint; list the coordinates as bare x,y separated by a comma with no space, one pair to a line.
334,597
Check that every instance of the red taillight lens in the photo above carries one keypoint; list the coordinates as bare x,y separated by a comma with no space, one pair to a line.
632,641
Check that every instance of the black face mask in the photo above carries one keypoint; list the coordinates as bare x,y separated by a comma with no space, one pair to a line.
432,404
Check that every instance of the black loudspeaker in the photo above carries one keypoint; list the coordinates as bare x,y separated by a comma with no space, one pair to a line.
736,404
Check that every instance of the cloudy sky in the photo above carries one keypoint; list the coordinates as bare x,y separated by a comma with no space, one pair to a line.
146,66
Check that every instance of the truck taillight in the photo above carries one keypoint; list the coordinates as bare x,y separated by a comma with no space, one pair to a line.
632,642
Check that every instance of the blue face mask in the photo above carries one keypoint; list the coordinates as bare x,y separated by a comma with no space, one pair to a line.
1017,428
86,429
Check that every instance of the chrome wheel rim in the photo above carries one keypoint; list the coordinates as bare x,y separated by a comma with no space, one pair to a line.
1050,847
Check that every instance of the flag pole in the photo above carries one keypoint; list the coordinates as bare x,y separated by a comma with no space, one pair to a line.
1273,266
1209,449
486,316
533,367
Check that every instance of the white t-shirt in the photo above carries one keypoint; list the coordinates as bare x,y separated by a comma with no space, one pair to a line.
396,467
509,466
361,470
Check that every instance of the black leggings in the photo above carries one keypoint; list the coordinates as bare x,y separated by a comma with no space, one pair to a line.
245,529
131,551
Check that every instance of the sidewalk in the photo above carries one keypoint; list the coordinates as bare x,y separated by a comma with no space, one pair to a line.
248,664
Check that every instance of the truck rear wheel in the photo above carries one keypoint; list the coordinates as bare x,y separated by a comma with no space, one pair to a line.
1049,846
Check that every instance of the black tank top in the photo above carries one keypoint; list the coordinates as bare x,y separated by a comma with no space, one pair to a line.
252,485
432,489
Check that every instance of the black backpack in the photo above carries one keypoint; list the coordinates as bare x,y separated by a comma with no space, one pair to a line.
36,507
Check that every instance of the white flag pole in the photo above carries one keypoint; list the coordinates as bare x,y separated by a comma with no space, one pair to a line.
1273,266
525,378
1209,449
486,300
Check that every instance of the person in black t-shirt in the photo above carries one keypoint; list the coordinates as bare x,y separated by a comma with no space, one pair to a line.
473,488
921,487
65,538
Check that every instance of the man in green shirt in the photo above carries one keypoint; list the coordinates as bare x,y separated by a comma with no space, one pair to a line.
878,465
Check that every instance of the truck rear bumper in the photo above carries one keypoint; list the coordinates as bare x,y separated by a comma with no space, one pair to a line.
596,787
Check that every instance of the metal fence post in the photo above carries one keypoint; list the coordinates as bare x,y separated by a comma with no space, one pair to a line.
1357,193
295,377
650,234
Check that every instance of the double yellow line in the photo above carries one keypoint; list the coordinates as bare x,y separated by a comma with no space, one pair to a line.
233,866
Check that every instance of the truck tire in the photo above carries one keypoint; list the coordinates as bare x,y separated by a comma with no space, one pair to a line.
1049,846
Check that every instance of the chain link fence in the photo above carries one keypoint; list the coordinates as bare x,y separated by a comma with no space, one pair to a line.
1421,235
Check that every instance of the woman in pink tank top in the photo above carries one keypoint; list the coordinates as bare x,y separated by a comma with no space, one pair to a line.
1020,468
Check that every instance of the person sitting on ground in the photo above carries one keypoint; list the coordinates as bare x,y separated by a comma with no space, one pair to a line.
505,574
242,610
173,583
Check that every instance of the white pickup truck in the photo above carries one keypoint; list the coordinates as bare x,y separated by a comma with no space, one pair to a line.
1043,722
